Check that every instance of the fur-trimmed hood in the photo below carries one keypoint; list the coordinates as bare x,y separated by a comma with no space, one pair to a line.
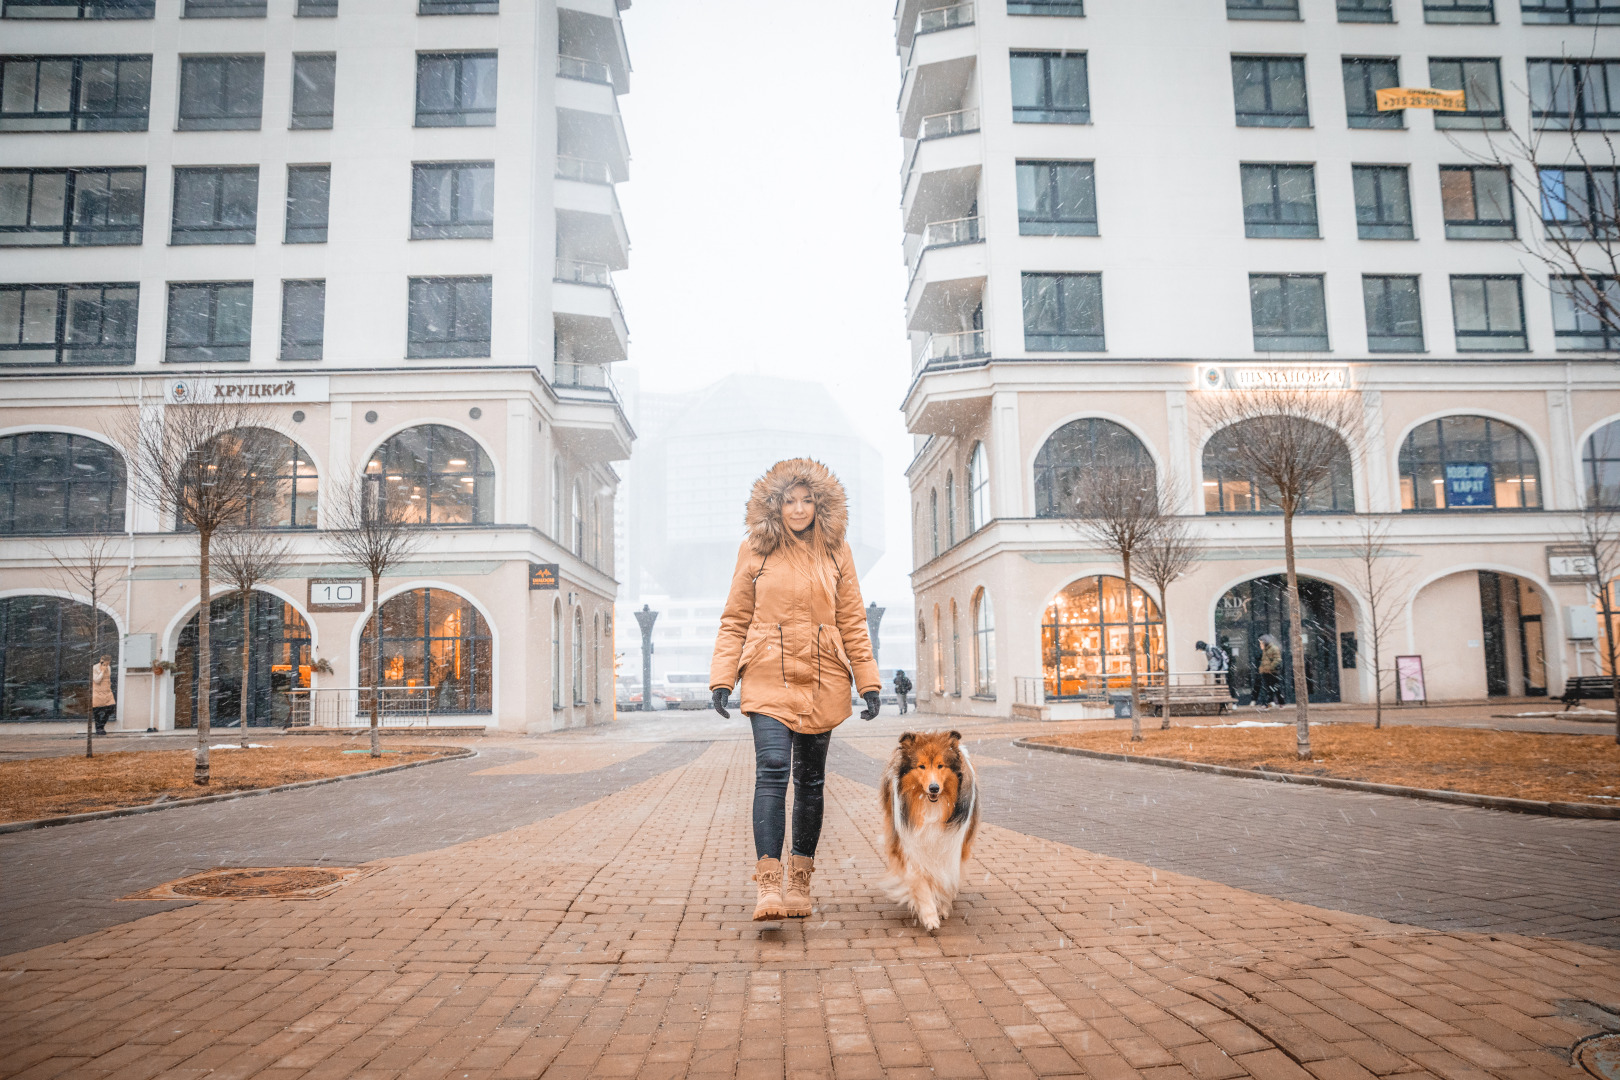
766,532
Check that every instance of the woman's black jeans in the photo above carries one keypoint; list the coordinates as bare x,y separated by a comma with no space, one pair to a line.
776,748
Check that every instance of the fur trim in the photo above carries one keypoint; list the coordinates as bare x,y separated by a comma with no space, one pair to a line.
766,532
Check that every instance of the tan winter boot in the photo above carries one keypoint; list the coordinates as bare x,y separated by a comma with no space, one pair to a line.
768,872
797,895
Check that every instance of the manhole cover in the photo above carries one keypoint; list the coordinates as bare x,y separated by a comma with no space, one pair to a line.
253,883
1600,1056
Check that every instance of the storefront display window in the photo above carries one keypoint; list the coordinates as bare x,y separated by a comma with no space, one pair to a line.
434,640
46,653
1086,644
278,661
1469,462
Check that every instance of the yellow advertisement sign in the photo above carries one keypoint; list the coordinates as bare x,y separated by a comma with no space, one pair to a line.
1417,97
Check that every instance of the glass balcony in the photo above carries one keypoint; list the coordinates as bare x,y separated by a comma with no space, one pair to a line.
959,231
581,272
964,345
583,169
575,67
584,377
946,17
944,125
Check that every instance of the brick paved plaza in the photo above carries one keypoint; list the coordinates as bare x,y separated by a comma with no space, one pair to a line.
578,906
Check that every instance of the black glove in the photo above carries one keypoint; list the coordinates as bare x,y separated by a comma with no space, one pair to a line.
872,705
721,697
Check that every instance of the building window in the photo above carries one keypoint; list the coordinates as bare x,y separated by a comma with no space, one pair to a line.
290,498
1229,488
68,324
1363,77
1069,8
317,9
956,653
314,86
1057,198
224,9
209,321
47,648
1279,200
1289,312
453,199
984,646
576,521
71,207
75,93
1481,83
950,509
1586,312
1570,11
449,317
455,89
1469,462
1477,201
939,655
557,500
1459,11
458,7
978,489
219,93
1394,313
596,659
1063,313
79,9
440,475
303,320
579,656
1600,464
1270,91
1575,95
309,192
215,206
1383,202
1489,313
433,639
1086,640
1579,204
1050,88
933,522
1373,11
52,482
1076,448
1263,9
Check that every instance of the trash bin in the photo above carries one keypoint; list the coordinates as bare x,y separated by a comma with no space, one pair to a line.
1121,701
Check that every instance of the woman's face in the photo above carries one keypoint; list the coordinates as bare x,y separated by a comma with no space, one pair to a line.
798,511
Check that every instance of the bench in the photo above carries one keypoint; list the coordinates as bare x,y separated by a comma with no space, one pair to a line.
1188,700
1587,688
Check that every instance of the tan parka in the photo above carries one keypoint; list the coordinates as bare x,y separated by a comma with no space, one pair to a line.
794,627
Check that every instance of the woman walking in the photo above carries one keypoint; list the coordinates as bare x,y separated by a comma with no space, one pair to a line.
1269,680
794,630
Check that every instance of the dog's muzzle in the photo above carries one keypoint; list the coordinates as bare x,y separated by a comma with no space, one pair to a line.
933,793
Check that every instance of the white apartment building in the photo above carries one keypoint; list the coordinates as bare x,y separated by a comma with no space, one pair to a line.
393,222
1113,207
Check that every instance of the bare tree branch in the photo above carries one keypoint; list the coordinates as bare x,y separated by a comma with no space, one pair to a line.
1372,569
88,566
1599,540
244,559
1169,553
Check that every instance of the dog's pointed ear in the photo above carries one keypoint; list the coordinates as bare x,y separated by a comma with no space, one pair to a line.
907,738
956,736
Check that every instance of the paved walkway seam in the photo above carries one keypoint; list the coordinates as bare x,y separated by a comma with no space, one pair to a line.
226,796
1462,798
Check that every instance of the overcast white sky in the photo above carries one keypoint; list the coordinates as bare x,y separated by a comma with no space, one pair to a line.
763,212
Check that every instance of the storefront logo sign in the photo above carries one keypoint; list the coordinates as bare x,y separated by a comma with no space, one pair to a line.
1277,377
313,388
1468,483
543,575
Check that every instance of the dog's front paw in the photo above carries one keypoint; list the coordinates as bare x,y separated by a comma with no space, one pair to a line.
928,922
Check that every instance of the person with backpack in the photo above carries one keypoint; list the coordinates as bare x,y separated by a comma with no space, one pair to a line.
902,687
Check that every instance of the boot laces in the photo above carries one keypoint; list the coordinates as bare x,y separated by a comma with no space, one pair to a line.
799,878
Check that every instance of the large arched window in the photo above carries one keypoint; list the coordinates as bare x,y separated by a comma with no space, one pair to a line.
956,652
978,489
53,482
939,655
1086,642
47,648
557,524
577,517
442,475
432,638
290,497
1229,487
579,656
1600,466
933,522
1469,462
950,509
278,660
1074,448
984,646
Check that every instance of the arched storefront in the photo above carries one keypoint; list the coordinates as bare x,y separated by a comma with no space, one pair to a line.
47,648
1260,606
432,638
1482,635
278,661
1086,642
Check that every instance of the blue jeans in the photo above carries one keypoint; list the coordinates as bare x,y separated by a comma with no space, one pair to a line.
779,750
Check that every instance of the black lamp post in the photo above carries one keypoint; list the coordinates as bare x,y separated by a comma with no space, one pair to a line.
645,619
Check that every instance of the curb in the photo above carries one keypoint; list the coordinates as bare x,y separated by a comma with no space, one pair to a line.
1462,798
129,811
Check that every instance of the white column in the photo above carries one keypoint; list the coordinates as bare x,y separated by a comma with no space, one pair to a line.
1373,493
1561,472
1006,457
520,430
1180,471
144,518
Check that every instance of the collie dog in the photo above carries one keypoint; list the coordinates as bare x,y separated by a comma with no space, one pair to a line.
930,801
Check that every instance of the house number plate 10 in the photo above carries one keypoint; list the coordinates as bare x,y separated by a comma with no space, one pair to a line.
337,594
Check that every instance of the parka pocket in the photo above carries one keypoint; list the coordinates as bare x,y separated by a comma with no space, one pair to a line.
828,635
760,638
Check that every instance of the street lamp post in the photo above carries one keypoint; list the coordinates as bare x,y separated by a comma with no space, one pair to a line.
645,619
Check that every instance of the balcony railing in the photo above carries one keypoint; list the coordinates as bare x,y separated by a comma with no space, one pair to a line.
946,17
581,272
584,377
963,345
943,125
958,231
583,169
577,67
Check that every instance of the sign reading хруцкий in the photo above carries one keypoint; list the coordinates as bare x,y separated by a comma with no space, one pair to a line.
301,388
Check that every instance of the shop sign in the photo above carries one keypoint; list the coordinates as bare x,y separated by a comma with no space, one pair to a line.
303,388
1409,679
1394,98
337,594
1468,483
542,575
1569,564
1276,377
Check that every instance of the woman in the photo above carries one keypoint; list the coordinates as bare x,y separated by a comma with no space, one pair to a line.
1269,681
103,706
794,630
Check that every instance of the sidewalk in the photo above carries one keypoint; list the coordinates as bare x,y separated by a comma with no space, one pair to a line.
613,940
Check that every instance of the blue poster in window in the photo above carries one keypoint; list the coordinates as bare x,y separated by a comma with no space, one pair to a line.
1468,483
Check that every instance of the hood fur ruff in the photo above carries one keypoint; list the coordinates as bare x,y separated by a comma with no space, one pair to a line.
766,532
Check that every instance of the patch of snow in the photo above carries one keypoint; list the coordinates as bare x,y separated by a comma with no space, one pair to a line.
1247,723
238,746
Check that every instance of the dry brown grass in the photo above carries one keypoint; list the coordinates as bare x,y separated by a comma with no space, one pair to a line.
50,787
1520,765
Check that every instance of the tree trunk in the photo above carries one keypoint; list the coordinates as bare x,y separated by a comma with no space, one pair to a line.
1302,715
1164,709
1608,640
204,658
1378,673
247,628
1130,632
95,659
376,669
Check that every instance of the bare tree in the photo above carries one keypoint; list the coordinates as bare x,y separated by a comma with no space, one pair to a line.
1291,442
89,567
245,558
202,465
374,533
1169,553
1116,507
1372,569
1599,540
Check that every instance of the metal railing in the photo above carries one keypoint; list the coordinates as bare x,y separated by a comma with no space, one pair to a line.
350,706
1029,690
943,125
583,169
963,345
583,272
944,18
957,231
584,377
577,67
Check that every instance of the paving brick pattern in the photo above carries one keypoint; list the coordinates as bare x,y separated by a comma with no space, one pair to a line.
612,940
